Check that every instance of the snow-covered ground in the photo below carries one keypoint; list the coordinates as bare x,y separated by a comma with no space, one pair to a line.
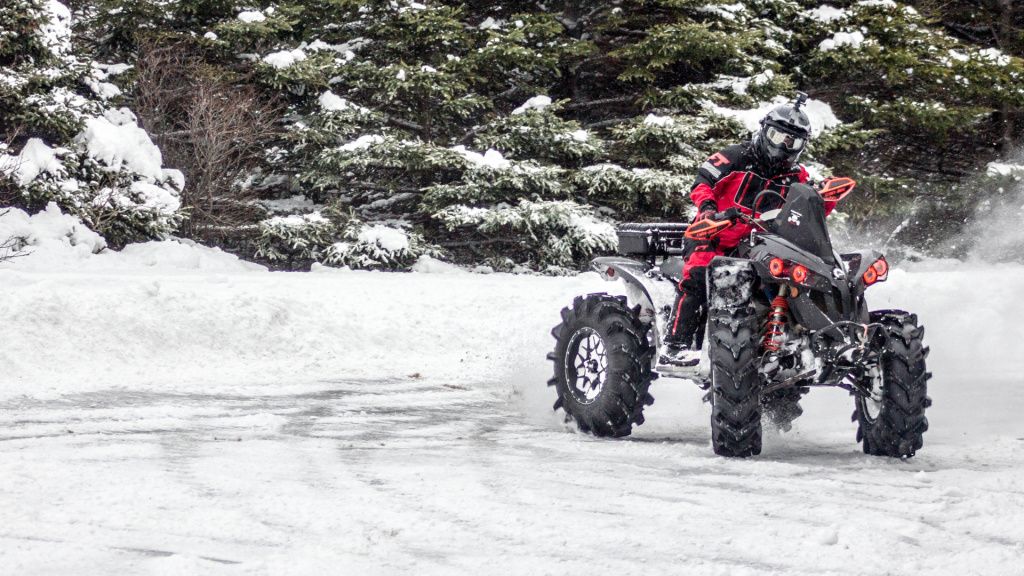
171,410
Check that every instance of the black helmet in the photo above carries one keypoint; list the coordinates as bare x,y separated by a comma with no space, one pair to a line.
784,134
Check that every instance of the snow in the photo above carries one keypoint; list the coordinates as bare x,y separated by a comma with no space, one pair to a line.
580,135
995,56
878,3
220,420
117,141
660,121
428,265
401,75
363,142
331,102
251,16
489,159
55,32
211,35
820,114
826,14
489,24
724,11
387,238
49,235
535,103
842,39
169,409
34,159
284,58
1004,169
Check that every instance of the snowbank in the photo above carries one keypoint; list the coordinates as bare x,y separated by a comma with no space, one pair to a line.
168,311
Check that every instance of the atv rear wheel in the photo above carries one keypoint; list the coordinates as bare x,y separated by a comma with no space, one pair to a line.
734,343
602,365
892,422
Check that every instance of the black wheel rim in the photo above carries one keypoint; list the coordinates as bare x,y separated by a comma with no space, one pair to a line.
586,365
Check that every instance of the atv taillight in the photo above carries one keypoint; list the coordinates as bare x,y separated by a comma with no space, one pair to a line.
882,267
777,267
877,272
799,274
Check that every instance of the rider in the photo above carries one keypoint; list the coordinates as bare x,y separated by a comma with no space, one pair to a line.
732,178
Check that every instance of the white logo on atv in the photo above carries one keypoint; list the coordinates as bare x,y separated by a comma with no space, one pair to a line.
794,218
838,273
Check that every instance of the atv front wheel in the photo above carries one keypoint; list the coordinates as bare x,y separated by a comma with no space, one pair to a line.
892,421
602,365
734,346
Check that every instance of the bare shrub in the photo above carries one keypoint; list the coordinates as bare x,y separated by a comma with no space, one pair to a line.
211,127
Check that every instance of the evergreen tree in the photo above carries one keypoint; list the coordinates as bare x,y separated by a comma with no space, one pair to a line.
65,141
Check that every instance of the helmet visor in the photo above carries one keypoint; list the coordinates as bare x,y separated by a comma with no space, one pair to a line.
784,140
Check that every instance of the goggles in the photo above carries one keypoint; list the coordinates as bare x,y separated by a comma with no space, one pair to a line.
785,140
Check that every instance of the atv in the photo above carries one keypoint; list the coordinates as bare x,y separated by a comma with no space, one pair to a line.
785,313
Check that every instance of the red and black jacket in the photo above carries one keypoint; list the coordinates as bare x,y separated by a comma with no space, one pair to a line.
732,178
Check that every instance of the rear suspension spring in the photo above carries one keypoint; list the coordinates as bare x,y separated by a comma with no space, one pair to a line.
775,329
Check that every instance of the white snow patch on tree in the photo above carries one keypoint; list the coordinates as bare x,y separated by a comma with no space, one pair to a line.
842,39
50,232
284,58
655,120
363,142
55,33
251,16
122,145
489,159
826,14
820,114
387,238
331,102
536,103
34,159
997,169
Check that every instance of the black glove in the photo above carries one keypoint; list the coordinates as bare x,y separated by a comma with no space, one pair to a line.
707,210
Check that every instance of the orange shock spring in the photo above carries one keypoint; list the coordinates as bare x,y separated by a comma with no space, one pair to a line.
775,329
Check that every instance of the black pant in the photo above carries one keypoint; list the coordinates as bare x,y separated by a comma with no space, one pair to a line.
690,310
